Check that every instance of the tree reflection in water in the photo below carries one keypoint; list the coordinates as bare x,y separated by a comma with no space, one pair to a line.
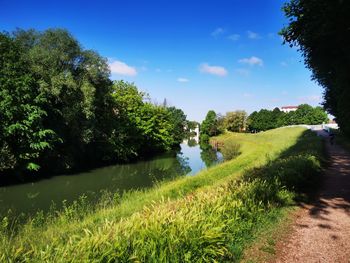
208,154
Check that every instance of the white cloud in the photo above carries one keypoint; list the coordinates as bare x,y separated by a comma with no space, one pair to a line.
252,61
217,32
182,80
253,35
234,37
121,68
243,72
215,70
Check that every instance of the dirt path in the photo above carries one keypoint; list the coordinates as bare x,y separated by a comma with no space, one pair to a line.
321,232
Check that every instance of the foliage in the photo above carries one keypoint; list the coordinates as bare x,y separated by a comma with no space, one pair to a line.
190,127
235,121
192,142
221,123
23,137
196,223
215,124
208,154
305,114
178,121
230,150
143,127
209,125
319,29
265,120
59,110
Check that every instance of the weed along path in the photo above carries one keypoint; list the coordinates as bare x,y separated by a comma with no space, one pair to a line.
321,232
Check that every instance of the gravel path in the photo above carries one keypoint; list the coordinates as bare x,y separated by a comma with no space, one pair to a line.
321,232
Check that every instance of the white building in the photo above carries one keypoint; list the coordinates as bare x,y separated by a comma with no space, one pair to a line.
289,108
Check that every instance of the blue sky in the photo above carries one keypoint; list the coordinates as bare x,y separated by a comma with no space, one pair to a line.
199,55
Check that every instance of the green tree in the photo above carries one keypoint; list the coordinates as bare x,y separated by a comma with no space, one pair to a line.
264,120
220,123
156,129
319,116
75,84
178,122
127,137
59,109
191,125
143,127
305,114
235,121
209,126
23,137
320,29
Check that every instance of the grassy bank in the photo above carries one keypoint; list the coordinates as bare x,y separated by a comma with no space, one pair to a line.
209,217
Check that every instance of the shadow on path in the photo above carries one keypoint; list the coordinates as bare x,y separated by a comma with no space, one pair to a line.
335,190
321,232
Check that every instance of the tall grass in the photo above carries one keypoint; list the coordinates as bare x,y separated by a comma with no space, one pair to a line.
230,150
209,217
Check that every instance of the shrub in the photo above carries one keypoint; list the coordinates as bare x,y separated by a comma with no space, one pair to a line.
230,149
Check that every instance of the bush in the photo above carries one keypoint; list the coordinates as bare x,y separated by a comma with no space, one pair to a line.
230,150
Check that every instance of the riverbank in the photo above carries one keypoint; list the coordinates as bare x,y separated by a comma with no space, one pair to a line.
27,199
211,216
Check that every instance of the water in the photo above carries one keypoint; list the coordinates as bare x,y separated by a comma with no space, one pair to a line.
31,197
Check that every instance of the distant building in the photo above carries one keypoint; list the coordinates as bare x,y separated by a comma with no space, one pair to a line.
289,108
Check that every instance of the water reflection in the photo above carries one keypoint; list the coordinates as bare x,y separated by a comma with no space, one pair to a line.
209,155
30,197
201,155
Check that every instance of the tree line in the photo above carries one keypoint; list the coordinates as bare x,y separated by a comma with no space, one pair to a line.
215,124
305,114
59,109
238,121
320,31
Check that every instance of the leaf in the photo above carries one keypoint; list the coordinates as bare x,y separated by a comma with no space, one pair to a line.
33,167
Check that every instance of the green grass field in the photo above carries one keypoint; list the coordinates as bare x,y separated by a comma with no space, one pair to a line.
208,217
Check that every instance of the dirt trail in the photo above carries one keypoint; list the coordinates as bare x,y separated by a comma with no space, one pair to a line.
321,232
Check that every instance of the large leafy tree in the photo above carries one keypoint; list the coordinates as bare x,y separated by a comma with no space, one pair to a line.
306,114
265,120
320,30
178,122
209,126
75,84
59,109
235,121
142,126
127,137
23,137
